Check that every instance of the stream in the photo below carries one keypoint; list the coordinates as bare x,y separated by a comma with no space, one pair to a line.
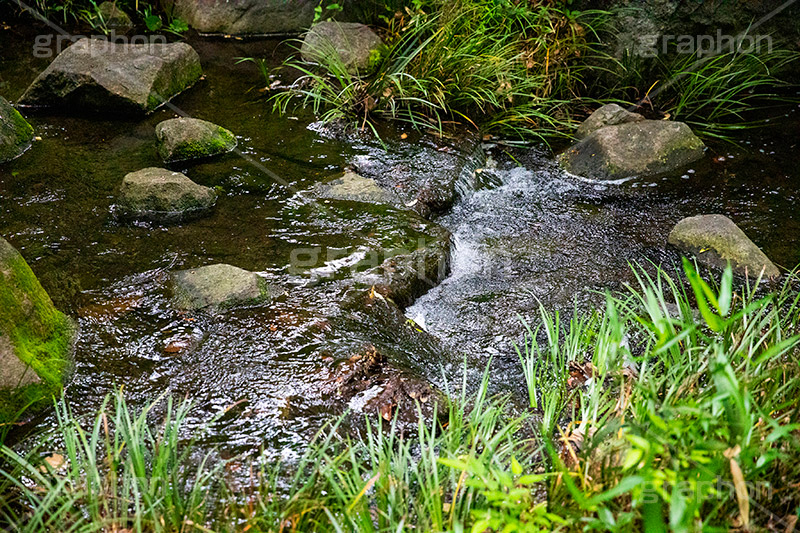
524,233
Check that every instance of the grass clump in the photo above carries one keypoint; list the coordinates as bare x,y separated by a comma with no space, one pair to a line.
674,409
716,93
531,70
511,67
119,474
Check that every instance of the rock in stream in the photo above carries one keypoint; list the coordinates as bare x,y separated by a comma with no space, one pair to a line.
15,132
642,148
161,195
716,241
103,76
181,139
35,339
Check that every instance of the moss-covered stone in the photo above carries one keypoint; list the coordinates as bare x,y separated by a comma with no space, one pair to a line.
181,139
104,76
15,132
35,338
642,148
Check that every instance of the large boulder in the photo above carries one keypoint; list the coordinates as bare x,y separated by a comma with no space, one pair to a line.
180,139
608,115
246,17
100,75
15,132
716,241
356,45
219,286
35,339
643,148
161,195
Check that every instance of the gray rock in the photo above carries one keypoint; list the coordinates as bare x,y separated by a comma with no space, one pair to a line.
164,196
219,286
355,188
608,115
644,148
715,240
100,75
15,132
358,47
428,175
246,17
180,139
111,17
35,339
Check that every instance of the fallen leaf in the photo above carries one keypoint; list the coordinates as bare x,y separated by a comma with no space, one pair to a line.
54,461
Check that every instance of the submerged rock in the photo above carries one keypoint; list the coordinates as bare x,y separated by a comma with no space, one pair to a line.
357,46
111,17
608,115
246,17
355,188
100,75
427,175
643,148
35,338
163,196
716,241
218,286
407,275
180,139
15,132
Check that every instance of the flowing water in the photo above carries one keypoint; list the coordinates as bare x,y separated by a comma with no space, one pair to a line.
521,235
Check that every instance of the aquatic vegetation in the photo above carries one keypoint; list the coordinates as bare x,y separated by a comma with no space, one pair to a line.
673,408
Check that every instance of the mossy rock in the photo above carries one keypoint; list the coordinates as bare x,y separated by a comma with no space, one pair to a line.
97,75
717,241
219,286
160,195
643,148
181,139
15,132
35,339
358,48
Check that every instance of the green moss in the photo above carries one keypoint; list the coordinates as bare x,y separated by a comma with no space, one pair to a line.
376,56
15,132
41,335
224,141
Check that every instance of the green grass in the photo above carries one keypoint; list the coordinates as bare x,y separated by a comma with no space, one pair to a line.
674,409
531,71
717,94
494,65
